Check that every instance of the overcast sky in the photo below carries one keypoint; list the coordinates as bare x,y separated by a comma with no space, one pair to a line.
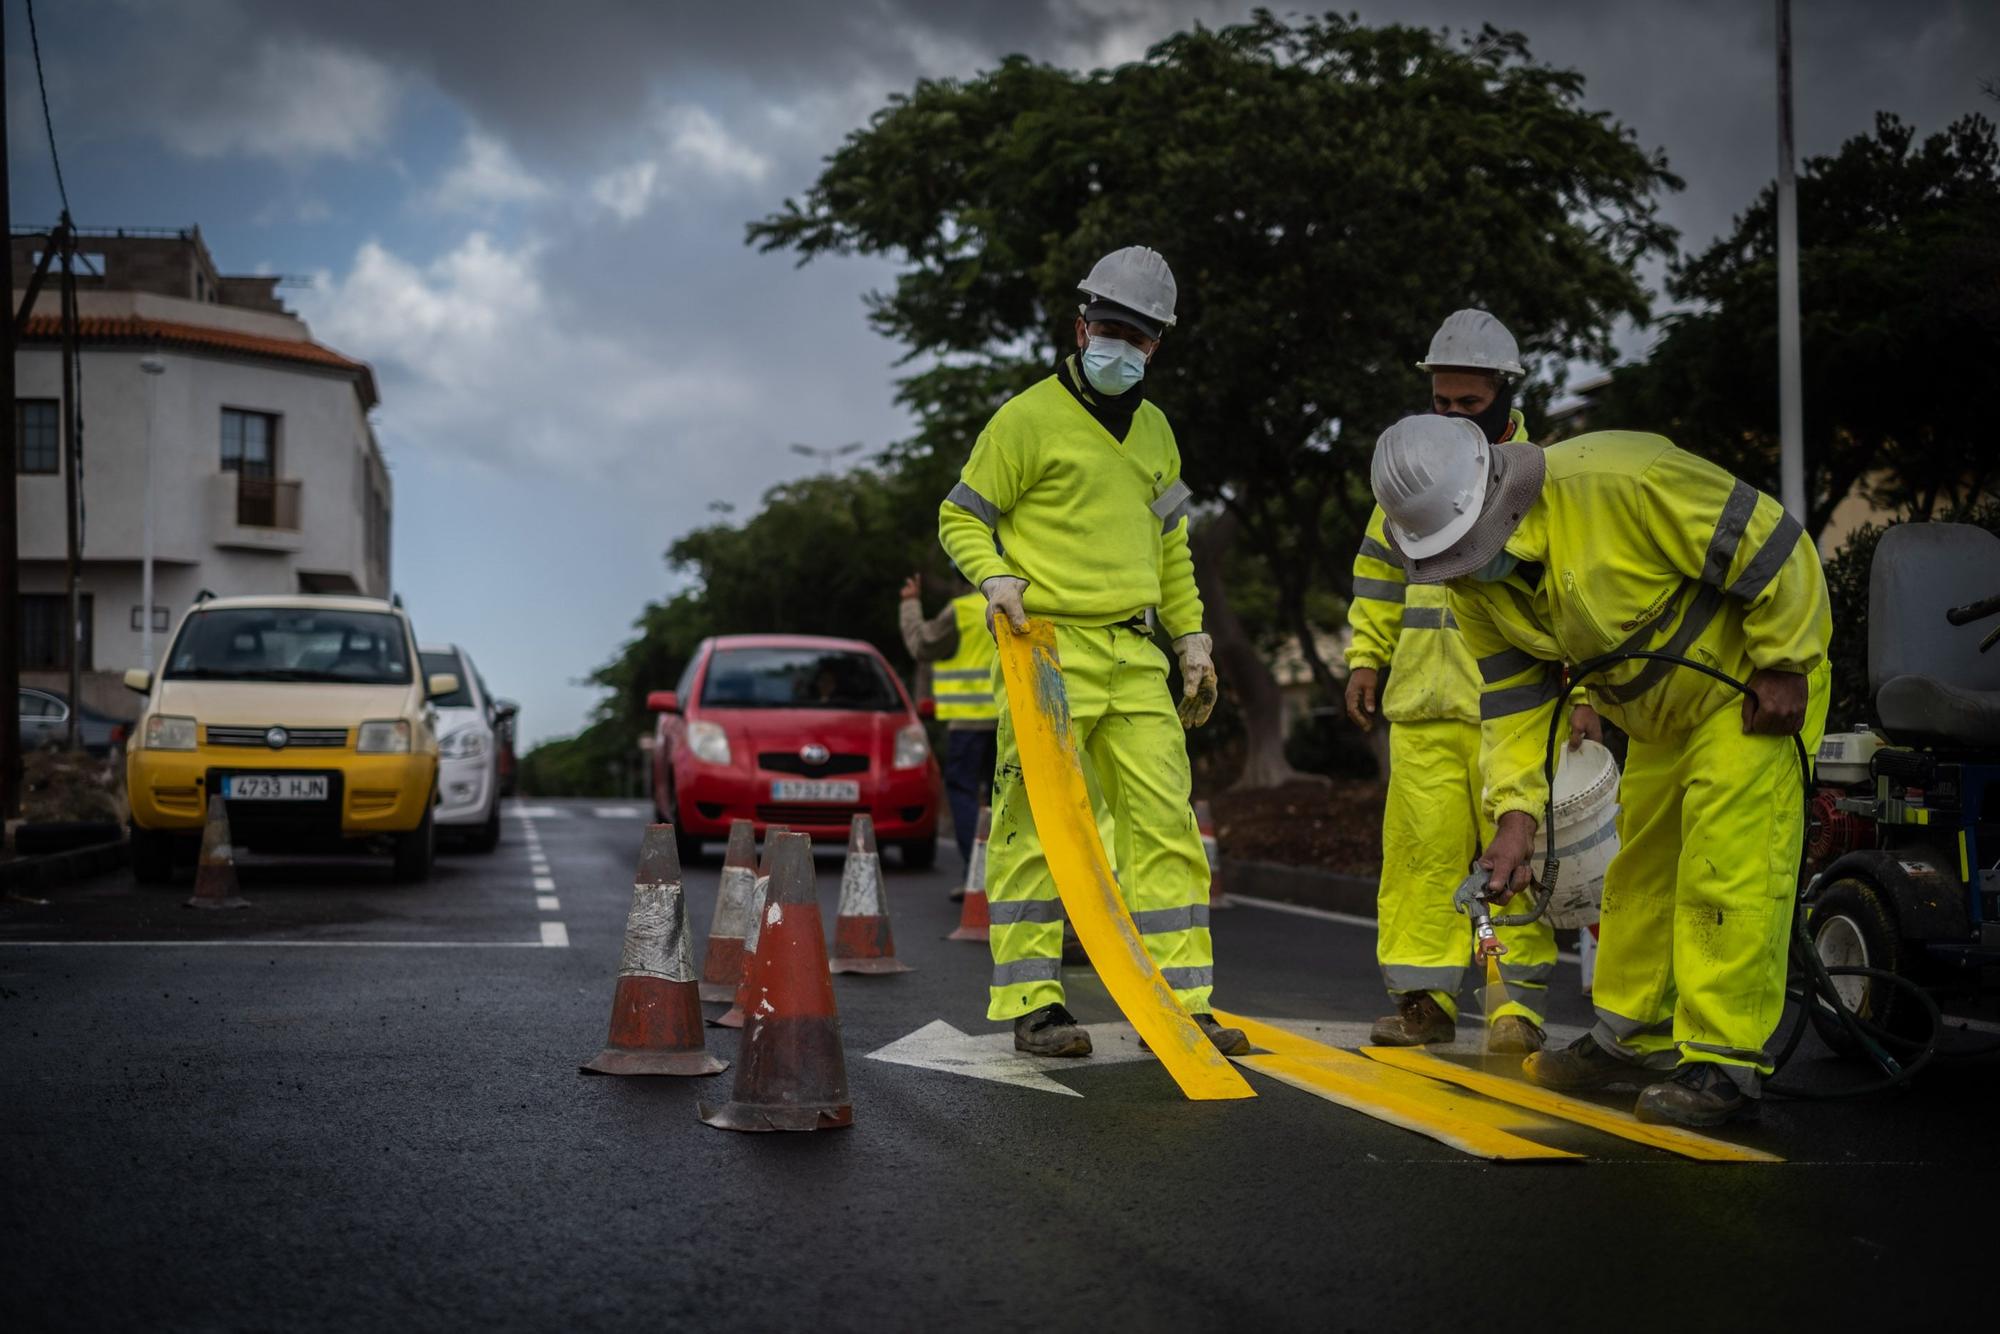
529,218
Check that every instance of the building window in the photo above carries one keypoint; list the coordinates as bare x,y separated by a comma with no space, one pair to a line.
250,444
45,637
38,429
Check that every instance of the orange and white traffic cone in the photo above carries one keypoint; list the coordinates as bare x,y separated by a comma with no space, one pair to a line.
722,960
655,1012
862,942
972,916
215,875
1204,820
791,1073
733,1016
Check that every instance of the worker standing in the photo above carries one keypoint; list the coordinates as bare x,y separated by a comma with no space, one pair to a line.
1072,509
960,653
1431,822
1613,541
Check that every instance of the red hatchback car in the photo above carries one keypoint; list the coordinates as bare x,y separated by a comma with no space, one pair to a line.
793,730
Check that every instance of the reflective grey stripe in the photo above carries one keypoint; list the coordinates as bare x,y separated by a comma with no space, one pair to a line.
1614,1031
1382,590
1745,1077
971,501
956,697
1172,500
1602,834
1159,921
1757,1057
1009,912
1736,512
1529,974
1429,618
1701,610
1519,699
1027,970
1508,662
1402,977
1187,979
963,674
1770,558
1374,550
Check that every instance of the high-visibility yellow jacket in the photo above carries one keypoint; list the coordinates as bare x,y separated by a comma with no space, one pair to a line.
1641,545
1097,526
962,683
1432,675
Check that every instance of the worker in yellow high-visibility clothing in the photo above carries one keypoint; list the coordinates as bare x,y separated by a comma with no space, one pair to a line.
1431,822
960,654
1616,540
1072,509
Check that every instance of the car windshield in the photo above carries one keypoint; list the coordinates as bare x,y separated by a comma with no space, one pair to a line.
291,644
460,698
797,678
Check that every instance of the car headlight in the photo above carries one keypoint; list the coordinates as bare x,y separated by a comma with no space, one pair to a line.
467,743
384,738
912,747
165,732
709,742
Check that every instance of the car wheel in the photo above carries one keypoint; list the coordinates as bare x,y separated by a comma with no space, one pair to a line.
416,851
1852,926
487,836
919,854
152,856
689,846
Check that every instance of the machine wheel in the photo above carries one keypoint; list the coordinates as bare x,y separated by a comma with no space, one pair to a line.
1853,926
416,850
919,854
152,854
487,836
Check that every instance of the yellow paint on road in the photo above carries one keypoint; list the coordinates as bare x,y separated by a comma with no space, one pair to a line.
1067,828
1468,1124
1520,1093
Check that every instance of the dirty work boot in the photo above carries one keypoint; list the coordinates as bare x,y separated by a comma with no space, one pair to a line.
1581,1066
1050,1031
1701,1093
1228,1041
1418,1019
1513,1033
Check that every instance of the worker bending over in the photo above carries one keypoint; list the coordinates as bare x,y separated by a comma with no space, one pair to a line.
1072,509
1617,540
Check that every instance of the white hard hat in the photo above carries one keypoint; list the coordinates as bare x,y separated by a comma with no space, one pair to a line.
1473,340
1451,499
1138,280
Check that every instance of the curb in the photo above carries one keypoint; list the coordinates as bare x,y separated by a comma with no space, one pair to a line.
61,868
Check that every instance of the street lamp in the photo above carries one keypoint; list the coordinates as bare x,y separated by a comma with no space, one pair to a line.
827,456
154,369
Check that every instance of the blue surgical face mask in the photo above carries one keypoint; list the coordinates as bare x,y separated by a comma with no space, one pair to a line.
1493,571
1113,365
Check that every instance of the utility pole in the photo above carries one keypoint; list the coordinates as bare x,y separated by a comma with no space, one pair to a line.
1791,399
10,536
72,479
154,368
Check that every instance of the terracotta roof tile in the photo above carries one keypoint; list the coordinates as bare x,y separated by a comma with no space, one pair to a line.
138,329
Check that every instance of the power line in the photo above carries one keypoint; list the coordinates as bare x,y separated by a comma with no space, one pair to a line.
35,41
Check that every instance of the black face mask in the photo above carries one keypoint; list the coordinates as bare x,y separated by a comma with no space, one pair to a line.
1493,421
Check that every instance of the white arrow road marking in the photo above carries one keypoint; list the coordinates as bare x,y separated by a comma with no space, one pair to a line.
991,1056
1471,1039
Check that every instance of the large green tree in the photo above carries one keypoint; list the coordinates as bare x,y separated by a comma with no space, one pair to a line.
1326,193
1899,297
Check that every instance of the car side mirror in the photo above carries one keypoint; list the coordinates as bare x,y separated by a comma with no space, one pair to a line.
442,684
663,701
926,707
140,680
505,708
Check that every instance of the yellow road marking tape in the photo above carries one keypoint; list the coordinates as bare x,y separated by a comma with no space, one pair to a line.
1068,830
1470,1125
1523,1094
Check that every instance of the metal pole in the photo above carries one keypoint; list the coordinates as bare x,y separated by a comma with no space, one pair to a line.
10,537
72,491
154,368
1791,399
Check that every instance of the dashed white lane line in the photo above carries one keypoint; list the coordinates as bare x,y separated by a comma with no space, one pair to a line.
544,884
618,812
539,813
547,903
1328,915
555,935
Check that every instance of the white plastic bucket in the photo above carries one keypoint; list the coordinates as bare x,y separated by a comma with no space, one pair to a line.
1586,829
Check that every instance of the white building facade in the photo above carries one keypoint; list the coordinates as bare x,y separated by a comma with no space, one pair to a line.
264,473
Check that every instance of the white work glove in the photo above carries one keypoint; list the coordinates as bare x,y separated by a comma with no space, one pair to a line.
1003,595
1197,678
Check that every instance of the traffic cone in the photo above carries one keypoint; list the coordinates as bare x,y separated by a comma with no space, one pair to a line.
861,939
215,875
740,995
972,918
790,1073
655,1012
722,959
1204,820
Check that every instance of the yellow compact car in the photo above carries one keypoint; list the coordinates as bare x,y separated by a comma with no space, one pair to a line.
310,717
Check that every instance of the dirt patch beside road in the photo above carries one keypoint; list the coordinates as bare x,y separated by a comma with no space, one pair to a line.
1333,827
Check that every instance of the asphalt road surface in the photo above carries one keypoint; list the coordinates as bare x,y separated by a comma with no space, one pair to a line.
356,1105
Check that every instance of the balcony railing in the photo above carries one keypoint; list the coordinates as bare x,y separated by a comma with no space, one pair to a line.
263,502
254,513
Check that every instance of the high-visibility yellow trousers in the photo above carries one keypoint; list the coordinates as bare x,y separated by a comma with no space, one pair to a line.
1432,829
1697,917
1135,752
